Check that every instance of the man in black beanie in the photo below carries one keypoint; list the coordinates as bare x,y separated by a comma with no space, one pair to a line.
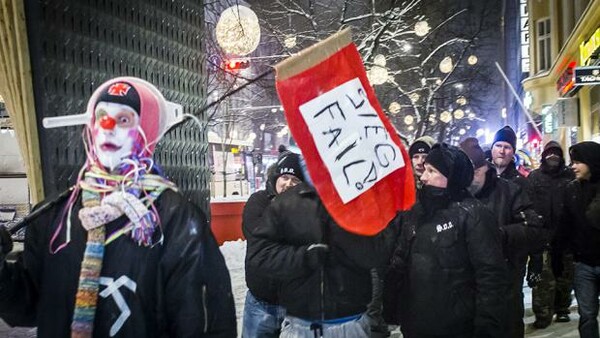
580,232
323,272
449,245
503,153
289,171
521,227
262,313
551,292
418,152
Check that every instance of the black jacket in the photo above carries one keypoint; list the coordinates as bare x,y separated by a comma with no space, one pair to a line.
182,287
547,192
295,220
260,285
512,174
580,229
521,226
452,272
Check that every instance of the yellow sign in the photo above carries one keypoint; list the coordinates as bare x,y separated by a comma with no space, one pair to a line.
587,48
235,150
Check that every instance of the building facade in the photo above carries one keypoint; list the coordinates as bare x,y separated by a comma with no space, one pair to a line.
562,85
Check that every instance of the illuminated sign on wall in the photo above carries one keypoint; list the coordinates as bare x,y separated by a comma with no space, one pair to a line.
524,29
590,49
585,76
547,119
566,82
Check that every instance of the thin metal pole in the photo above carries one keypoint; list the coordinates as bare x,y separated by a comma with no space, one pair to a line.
514,92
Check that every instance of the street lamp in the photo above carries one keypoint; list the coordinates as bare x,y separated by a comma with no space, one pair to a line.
459,114
445,116
377,75
472,60
394,108
414,97
238,31
422,28
379,60
290,41
446,65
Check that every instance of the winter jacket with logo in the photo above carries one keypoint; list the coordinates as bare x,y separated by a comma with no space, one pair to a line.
178,289
297,219
453,276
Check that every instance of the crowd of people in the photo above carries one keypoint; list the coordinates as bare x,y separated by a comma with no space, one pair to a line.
454,265
126,255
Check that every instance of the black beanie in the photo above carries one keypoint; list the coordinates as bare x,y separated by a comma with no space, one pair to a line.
506,134
289,163
454,164
589,153
422,145
122,93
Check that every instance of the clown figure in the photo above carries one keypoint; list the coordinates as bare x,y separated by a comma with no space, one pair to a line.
125,255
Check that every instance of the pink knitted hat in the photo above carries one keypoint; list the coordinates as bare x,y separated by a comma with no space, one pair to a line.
142,96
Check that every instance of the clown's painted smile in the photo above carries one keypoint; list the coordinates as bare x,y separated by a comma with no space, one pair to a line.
115,132
110,147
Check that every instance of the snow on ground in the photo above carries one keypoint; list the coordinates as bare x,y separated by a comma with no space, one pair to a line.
234,253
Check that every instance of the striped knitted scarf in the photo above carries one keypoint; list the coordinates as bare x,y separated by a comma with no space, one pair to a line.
105,198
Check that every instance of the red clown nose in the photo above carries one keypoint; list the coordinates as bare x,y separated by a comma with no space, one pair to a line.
107,122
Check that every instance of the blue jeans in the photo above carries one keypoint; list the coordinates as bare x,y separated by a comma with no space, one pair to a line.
587,289
356,327
261,319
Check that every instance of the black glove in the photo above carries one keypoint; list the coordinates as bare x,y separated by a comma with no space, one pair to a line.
315,255
6,243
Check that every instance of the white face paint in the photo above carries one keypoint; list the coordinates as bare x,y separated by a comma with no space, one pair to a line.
115,131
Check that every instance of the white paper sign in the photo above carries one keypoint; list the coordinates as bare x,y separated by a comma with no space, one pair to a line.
351,139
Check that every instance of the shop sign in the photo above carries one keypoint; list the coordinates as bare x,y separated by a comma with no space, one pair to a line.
524,30
548,119
566,112
566,81
587,76
589,49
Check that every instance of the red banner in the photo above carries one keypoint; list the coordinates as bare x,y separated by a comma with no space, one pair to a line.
356,160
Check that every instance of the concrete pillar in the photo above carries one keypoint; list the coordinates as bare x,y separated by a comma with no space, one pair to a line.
585,115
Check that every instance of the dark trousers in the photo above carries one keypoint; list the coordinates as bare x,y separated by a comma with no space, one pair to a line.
587,289
516,308
553,293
